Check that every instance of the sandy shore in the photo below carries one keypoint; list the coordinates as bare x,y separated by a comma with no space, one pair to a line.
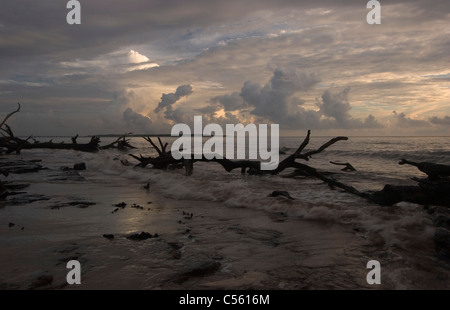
199,245
245,249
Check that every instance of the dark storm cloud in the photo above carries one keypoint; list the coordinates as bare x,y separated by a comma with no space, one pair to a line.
272,100
230,102
276,102
444,121
68,70
336,105
42,24
167,100
136,121
405,121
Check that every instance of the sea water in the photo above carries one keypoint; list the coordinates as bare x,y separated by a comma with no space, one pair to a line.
405,229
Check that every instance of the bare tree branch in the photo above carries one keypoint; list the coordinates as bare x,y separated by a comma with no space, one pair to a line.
9,115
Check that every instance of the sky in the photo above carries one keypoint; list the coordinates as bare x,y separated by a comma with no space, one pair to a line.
143,66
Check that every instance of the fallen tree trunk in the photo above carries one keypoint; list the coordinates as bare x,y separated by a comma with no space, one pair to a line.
433,190
122,143
434,171
92,146
348,166
164,158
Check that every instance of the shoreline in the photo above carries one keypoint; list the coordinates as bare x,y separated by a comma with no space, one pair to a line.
200,245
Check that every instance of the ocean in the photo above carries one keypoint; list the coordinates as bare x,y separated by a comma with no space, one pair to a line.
323,238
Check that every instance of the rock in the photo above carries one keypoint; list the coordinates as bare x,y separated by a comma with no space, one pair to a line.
11,225
136,206
79,166
139,237
281,193
121,205
108,236
81,204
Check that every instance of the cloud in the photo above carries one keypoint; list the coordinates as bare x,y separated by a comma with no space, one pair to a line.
273,100
405,121
167,100
136,57
444,121
336,105
277,102
120,61
136,121
75,71
230,102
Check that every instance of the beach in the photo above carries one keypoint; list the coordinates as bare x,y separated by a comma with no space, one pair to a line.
213,230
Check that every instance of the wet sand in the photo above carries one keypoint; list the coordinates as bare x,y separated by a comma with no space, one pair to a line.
200,245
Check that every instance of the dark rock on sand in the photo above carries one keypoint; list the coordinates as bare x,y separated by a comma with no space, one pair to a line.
79,166
139,237
108,236
11,225
121,205
81,204
136,206
203,270
281,193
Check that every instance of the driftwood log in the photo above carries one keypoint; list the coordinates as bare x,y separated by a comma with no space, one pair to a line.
348,166
164,158
433,190
122,143
12,143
